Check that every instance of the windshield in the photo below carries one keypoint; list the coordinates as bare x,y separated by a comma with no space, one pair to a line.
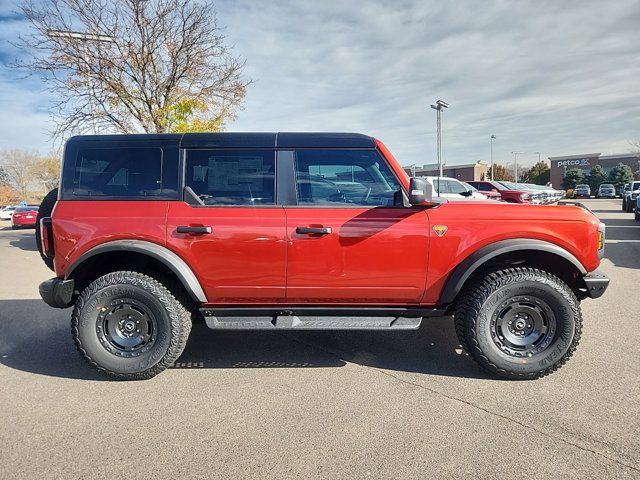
513,186
26,209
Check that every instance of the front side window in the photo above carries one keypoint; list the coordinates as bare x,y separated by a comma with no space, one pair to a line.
118,172
344,177
232,177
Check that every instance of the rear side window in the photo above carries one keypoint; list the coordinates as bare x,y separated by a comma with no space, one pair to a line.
344,177
128,172
232,177
484,187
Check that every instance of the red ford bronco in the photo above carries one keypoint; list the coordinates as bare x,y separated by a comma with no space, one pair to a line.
301,231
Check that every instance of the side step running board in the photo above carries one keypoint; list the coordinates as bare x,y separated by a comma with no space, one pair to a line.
316,318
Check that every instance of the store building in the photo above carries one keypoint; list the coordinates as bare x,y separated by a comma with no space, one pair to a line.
560,165
467,172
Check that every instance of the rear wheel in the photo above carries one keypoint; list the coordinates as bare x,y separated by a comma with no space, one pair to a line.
130,326
637,215
519,323
46,207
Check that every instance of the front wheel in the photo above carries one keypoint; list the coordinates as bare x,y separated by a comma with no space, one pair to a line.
129,325
519,323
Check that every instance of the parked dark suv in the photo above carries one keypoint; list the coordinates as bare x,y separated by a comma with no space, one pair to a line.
301,231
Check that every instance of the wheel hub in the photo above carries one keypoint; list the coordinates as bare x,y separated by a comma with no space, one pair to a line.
523,326
126,327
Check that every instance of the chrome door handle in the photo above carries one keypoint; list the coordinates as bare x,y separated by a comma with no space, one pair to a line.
313,230
194,230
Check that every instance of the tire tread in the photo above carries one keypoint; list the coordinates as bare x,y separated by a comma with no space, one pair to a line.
178,313
472,298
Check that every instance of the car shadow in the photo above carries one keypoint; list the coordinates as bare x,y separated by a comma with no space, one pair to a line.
36,338
25,242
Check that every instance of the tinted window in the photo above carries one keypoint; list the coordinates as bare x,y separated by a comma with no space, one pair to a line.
232,177
344,177
25,209
118,172
484,187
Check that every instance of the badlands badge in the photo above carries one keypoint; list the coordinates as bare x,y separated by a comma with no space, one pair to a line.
440,229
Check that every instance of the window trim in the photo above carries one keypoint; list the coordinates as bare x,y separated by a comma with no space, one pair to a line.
182,181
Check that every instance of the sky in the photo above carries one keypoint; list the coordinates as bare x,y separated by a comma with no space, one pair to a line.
558,78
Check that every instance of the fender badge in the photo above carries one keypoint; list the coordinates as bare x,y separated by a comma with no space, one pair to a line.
440,229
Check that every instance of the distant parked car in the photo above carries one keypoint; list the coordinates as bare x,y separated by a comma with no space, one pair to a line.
24,217
491,195
629,195
606,190
453,189
547,194
582,191
507,190
6,213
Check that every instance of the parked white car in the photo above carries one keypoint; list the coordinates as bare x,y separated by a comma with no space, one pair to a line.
453,189
7,213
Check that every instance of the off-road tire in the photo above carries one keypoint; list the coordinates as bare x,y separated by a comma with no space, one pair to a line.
637,214
173,324
46,207
624,206
480,302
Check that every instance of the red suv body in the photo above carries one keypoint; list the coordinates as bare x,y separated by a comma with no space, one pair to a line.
296,231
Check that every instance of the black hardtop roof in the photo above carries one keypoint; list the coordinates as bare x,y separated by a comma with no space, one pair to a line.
239,139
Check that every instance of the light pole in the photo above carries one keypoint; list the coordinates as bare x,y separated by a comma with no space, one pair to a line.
539,158
493,137
86,38
515,159
438,107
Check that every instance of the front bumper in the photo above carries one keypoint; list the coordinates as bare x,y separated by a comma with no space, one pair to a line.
596,283
57,293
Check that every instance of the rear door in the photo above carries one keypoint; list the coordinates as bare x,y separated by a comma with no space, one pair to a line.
348,240
234,240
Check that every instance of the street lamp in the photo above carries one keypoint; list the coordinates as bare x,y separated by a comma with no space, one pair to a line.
438,107
539,158
515,159
493,137
85,38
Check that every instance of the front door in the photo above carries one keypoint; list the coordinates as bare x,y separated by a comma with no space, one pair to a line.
231,232
348,241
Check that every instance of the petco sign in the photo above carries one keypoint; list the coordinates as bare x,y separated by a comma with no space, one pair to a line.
582,162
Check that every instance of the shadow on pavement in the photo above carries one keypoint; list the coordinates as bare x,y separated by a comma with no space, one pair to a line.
25,242
35,338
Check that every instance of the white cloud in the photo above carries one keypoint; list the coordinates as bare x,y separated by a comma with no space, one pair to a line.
554,77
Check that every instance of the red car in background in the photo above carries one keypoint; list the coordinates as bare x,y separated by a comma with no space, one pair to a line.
490,194
508,194
24,217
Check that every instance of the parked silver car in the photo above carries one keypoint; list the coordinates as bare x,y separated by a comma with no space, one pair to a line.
629,196
606,190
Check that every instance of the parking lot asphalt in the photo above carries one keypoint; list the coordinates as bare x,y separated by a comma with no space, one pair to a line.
320,405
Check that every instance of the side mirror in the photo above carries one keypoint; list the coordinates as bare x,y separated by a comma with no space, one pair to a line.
466,193
420,191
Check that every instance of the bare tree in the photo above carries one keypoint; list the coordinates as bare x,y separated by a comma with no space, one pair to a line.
46,171
18,164
129,66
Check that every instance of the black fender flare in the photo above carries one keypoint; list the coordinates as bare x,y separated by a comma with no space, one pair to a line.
176,264
470,264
